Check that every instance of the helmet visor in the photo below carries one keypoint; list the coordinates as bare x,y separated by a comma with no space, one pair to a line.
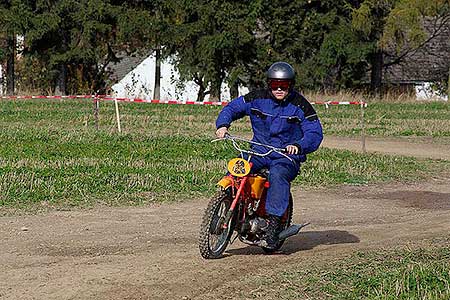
283,85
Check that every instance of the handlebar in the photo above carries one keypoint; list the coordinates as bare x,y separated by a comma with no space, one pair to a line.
272,149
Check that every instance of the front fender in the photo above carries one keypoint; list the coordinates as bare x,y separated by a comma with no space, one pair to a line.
225,182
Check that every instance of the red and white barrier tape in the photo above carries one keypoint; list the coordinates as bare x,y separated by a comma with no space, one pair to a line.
220,103
223,103
327,103
48,97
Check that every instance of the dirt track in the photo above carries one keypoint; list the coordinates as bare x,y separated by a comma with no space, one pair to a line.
416,147
151,252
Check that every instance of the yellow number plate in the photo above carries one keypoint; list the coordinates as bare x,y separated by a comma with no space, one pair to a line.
239,167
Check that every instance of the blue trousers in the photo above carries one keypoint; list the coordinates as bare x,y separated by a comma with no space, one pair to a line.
281,172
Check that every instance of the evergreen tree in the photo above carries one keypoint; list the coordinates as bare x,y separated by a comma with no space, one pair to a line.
314,36
213,42
143,29
11,25
72,42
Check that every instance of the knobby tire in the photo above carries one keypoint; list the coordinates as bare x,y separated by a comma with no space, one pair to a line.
210,228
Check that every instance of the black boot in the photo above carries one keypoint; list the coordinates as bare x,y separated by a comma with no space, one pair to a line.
270,238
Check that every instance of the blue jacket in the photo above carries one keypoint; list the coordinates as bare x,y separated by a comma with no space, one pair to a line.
292,121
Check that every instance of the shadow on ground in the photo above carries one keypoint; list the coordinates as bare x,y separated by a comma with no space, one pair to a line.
306,240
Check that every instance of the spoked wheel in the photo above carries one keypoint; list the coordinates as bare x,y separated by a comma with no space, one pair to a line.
284,226
214,236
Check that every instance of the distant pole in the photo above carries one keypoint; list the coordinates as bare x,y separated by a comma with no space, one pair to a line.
117,115
157,86
448,85
363,131
10,64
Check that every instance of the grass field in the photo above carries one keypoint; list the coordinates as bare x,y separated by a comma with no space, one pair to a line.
394,119
52,154
421,273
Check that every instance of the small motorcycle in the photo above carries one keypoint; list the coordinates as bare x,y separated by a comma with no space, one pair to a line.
240,206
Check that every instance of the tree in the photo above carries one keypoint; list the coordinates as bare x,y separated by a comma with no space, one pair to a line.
143,29
73,40
10,27
395,28
212,41
314,36
411,26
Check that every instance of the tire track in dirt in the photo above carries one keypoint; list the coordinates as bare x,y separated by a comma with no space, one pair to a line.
151,252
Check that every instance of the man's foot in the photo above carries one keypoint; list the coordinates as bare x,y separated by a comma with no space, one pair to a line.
270,238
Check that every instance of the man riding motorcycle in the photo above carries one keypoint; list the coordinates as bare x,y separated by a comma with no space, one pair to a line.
281,117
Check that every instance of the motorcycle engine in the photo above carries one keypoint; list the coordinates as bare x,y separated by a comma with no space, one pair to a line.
257,225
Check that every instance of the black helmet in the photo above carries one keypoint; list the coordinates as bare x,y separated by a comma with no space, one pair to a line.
281,71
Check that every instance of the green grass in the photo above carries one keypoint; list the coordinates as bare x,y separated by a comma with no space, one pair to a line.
50,153
384,274
381,119
328,166
388,119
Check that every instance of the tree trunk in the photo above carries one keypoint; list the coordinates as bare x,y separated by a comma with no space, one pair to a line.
157,87
376,75
216,86
61,86
448,85
215,91
201,93
10,78
234,89
202,89
61,81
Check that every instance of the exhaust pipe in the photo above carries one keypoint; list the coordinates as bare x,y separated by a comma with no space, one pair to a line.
291,230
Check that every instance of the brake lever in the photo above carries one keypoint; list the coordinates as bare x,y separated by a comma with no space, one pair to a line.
216,140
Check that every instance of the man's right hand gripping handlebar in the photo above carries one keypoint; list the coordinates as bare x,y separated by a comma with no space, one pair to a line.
221,132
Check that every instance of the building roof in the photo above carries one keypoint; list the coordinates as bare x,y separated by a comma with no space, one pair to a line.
429,63
126,64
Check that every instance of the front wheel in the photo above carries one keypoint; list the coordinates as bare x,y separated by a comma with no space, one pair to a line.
214,236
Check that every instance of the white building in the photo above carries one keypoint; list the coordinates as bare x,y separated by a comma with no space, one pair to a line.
140,81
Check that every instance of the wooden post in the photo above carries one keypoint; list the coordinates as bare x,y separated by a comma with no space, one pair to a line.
363,132
96,109
117,115
448,85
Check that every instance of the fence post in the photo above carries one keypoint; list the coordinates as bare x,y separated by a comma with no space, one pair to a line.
96,109
363,132
117,115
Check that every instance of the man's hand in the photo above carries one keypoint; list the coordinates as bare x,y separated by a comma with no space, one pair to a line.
291,149
221,132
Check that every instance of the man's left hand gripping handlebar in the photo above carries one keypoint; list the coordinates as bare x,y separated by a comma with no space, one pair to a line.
221,132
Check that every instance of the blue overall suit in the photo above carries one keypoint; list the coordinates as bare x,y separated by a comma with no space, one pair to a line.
292,121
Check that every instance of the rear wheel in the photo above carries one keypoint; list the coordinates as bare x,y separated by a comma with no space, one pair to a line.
284,226
214,238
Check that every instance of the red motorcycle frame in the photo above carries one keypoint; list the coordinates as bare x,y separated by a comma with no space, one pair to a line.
240,207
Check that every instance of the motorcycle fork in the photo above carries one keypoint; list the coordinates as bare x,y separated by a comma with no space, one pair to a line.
235,201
